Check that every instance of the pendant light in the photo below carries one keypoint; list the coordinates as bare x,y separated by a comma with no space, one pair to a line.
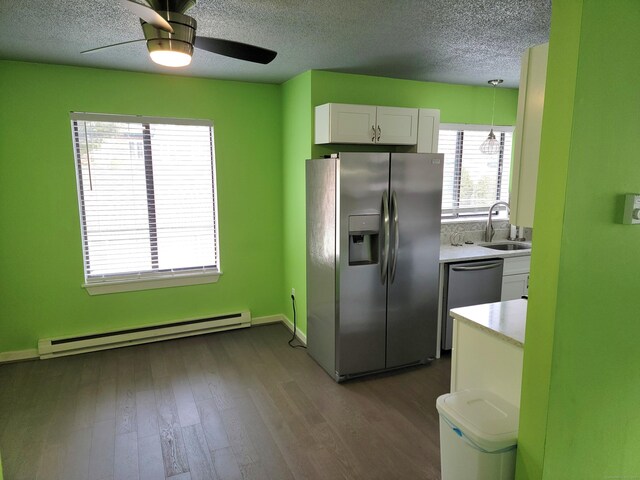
491,145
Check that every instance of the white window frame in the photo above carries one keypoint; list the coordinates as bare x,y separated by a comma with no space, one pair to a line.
470,215
115,283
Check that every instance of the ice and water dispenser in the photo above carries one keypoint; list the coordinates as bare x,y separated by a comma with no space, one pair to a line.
364,233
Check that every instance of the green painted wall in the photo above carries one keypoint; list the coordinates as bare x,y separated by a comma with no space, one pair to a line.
549,218
40,248
41,291
296,147
585,266
457,104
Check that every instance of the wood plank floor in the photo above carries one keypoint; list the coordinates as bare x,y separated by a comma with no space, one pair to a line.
234,405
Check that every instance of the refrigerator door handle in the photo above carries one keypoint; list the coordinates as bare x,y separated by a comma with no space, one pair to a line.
396,234
486,266
385,237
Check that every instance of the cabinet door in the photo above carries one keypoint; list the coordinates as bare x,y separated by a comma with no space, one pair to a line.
524,176
397,126
514,286
428,130
351,123
515,265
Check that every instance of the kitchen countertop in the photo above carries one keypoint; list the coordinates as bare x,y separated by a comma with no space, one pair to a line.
449,253
504,320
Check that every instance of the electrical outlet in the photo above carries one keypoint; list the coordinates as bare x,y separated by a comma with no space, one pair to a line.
293,292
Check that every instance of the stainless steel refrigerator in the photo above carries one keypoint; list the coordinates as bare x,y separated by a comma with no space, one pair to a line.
373,243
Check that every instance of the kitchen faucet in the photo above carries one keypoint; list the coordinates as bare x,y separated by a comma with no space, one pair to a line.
489,232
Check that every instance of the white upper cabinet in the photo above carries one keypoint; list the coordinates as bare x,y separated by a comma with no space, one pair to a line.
343,123
362,124
428,130
397,126
533,75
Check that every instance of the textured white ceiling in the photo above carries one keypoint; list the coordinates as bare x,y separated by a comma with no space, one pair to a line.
452,41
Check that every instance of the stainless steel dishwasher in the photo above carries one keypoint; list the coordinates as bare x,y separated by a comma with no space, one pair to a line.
469,283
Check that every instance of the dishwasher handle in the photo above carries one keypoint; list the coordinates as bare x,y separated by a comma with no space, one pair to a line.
486,266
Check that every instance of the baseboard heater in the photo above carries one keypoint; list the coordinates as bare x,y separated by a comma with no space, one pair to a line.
56,347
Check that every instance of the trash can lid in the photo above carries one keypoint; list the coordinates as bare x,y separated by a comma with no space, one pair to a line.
486,418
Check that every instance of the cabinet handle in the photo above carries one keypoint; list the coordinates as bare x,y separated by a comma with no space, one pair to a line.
379,132
373,131
485,266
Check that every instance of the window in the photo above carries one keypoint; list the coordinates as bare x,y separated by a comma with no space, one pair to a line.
473,181
147,197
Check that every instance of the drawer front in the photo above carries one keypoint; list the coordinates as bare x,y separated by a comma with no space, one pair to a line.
514,286
517,265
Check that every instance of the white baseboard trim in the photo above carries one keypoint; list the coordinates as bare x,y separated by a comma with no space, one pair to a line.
289,324
282,319
18,355
31,353
267,319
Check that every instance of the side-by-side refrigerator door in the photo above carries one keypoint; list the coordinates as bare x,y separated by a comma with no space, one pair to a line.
412,305
363,259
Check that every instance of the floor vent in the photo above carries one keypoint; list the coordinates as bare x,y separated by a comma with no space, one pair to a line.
56,347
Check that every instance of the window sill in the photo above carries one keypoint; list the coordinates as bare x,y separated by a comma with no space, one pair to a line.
132,285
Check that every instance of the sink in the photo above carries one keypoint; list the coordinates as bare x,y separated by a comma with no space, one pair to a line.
506,246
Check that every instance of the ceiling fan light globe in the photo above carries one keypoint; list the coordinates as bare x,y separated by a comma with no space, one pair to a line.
170,52
170,58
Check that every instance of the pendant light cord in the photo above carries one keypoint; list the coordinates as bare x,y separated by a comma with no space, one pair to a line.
493,108
495,83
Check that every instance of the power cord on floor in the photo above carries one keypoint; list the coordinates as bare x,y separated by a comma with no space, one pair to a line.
293,302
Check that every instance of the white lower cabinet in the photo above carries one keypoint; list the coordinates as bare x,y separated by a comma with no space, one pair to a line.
514,286
515,277
481,359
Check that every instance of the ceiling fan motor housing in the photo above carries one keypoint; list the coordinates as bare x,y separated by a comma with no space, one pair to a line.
182,38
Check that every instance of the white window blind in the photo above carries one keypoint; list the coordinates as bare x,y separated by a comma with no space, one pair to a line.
473,181
147,197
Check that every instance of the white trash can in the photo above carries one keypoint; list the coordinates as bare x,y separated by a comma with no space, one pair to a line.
478,436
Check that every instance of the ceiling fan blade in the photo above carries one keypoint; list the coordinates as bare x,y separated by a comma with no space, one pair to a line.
241,51
114,45
147,14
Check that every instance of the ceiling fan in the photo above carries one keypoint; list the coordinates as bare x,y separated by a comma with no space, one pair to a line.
171,35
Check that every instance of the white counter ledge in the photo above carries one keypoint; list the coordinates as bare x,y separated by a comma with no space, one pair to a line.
487,352
505,320
449,253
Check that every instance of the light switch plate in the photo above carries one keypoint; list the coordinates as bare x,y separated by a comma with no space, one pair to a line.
631,209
